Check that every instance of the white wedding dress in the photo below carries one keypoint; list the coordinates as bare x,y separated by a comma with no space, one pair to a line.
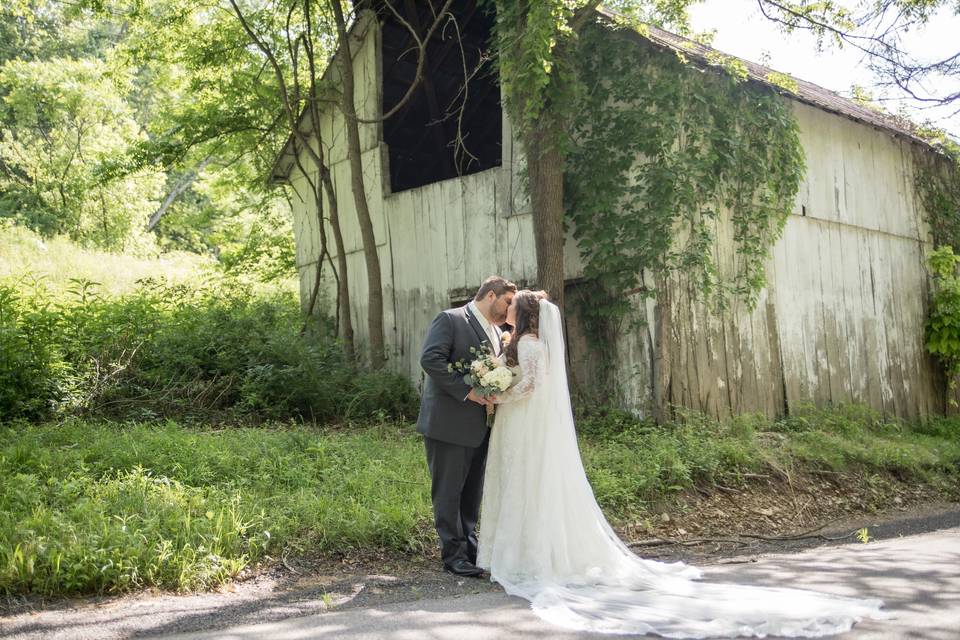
544,538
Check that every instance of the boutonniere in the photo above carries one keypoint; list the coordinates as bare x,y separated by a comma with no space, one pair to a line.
505,338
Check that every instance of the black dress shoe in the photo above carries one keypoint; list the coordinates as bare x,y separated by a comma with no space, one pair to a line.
464,568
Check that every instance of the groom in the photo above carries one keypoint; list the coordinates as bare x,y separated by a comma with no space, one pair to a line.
453,419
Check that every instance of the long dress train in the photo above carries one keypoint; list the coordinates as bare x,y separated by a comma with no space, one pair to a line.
544,538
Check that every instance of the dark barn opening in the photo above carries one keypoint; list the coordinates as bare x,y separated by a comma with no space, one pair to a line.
423,135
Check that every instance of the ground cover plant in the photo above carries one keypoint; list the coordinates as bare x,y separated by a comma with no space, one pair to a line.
96,506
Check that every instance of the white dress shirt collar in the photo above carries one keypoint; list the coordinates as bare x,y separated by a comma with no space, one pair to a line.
475,310
488,328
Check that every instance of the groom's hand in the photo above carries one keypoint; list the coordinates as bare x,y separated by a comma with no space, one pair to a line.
478,398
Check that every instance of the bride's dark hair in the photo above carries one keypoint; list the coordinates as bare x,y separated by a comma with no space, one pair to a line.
528,319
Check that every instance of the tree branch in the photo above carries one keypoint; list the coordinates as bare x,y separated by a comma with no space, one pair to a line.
421,58
182,185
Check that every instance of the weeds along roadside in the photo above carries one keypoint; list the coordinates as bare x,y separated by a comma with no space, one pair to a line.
92,506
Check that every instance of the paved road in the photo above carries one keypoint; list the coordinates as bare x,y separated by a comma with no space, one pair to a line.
917,576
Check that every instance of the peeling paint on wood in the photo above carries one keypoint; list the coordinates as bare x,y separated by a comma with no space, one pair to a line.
841,320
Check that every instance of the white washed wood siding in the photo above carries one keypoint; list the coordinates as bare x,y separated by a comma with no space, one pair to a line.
842,318
434,241
840,321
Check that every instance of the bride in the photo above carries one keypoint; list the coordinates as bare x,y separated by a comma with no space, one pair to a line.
544,538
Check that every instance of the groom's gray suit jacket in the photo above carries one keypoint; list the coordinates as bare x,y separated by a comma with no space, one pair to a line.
445,414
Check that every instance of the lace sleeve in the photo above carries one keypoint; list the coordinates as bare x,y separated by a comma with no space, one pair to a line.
530,358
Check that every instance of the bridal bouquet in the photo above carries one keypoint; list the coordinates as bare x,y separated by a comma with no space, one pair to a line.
487,374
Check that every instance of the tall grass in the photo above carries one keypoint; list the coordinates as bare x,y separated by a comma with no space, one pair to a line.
92,506
633,463
58,261
97,507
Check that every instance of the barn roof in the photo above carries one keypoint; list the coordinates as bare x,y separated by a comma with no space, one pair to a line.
802,91
806,92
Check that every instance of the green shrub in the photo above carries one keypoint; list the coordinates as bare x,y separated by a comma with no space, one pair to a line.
943,324
223,351
33,375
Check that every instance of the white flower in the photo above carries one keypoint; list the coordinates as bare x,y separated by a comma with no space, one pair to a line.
499,378
479,368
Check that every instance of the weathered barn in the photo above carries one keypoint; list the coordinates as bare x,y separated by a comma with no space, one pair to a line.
841,319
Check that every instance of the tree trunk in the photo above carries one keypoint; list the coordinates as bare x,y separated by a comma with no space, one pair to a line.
375,302
542,142
291,109
323,183
545,165
345,320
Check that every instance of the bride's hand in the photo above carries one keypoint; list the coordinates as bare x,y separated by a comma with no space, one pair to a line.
481,400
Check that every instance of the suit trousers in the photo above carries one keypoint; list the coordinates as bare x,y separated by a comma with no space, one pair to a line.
456,474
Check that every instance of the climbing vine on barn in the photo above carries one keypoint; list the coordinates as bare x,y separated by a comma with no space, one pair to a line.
663,154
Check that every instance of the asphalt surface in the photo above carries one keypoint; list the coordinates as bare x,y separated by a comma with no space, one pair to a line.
913,565
918,577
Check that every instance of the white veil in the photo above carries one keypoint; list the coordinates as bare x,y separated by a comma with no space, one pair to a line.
577,573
